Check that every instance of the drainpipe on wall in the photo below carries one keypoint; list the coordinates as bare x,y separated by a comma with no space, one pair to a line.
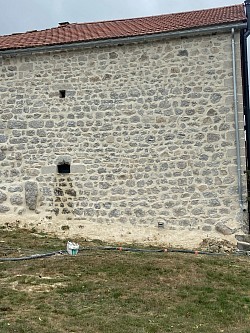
245,83
236,118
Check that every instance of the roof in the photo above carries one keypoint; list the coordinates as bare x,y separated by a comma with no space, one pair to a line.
85,32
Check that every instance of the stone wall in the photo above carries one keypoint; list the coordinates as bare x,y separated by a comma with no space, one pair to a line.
148,130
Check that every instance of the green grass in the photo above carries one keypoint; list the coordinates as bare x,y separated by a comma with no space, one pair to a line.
111,292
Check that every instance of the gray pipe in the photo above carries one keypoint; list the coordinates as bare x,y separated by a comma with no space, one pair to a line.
236,119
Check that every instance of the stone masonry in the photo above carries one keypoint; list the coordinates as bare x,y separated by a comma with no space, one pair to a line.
147,129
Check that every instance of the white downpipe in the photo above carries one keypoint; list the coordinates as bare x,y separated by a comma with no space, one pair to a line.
236,119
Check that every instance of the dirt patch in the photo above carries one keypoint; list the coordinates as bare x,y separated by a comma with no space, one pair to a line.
217,246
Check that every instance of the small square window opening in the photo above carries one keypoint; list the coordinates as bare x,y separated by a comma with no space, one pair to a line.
63,167
62,93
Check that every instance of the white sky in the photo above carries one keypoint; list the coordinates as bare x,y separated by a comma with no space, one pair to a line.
25,15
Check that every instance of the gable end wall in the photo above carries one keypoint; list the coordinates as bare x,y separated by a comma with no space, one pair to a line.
148,130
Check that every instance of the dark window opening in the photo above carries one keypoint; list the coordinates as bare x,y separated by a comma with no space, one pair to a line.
62,93
63,167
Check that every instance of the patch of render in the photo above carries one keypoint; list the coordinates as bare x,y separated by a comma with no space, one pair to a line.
148,131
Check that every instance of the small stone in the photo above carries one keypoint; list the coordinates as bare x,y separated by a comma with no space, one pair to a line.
3,138
3,197
135,119
4,209
183,53
113,55
211,137
114,213
2,155
17,124
36,123
71,192
215,98
78,211
16,200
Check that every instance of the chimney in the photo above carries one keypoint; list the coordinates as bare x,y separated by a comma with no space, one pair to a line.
63,23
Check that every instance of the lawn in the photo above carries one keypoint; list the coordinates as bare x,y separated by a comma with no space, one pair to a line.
114,291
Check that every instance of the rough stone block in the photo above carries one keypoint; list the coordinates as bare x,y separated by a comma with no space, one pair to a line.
31,195
78,168
223,229
51,169
243,246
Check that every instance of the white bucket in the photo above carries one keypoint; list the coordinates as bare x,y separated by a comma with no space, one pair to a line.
72,248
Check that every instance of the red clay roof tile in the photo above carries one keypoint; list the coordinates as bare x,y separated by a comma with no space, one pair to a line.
83,32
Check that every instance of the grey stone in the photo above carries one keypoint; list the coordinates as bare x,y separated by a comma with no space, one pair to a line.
113,55
183,53
31,194
223,229
15,188
164,166
17,124
77,168
58,192
139,212
26,67
243,238
215,98
3,197
135,119
169,137
51,169
71,192
211,137
214,202
104,185
150,139
89,212
179,211
114,213
16,200
3,138
19,140
101,170
181,165
207,228
49,124
36,123
2,155
4,209
107,205
197,211
243,246
41,133
65,211
78,211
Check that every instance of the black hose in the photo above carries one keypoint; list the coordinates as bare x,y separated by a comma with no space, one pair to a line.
34,256
126,249
129,249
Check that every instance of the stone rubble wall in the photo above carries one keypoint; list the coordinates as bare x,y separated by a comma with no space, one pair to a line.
148,130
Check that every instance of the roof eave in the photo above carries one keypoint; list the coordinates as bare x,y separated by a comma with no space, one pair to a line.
128,40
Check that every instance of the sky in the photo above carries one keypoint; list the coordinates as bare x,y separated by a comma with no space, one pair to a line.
26,15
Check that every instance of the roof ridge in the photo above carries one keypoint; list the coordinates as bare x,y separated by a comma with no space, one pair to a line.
121,28
150,16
